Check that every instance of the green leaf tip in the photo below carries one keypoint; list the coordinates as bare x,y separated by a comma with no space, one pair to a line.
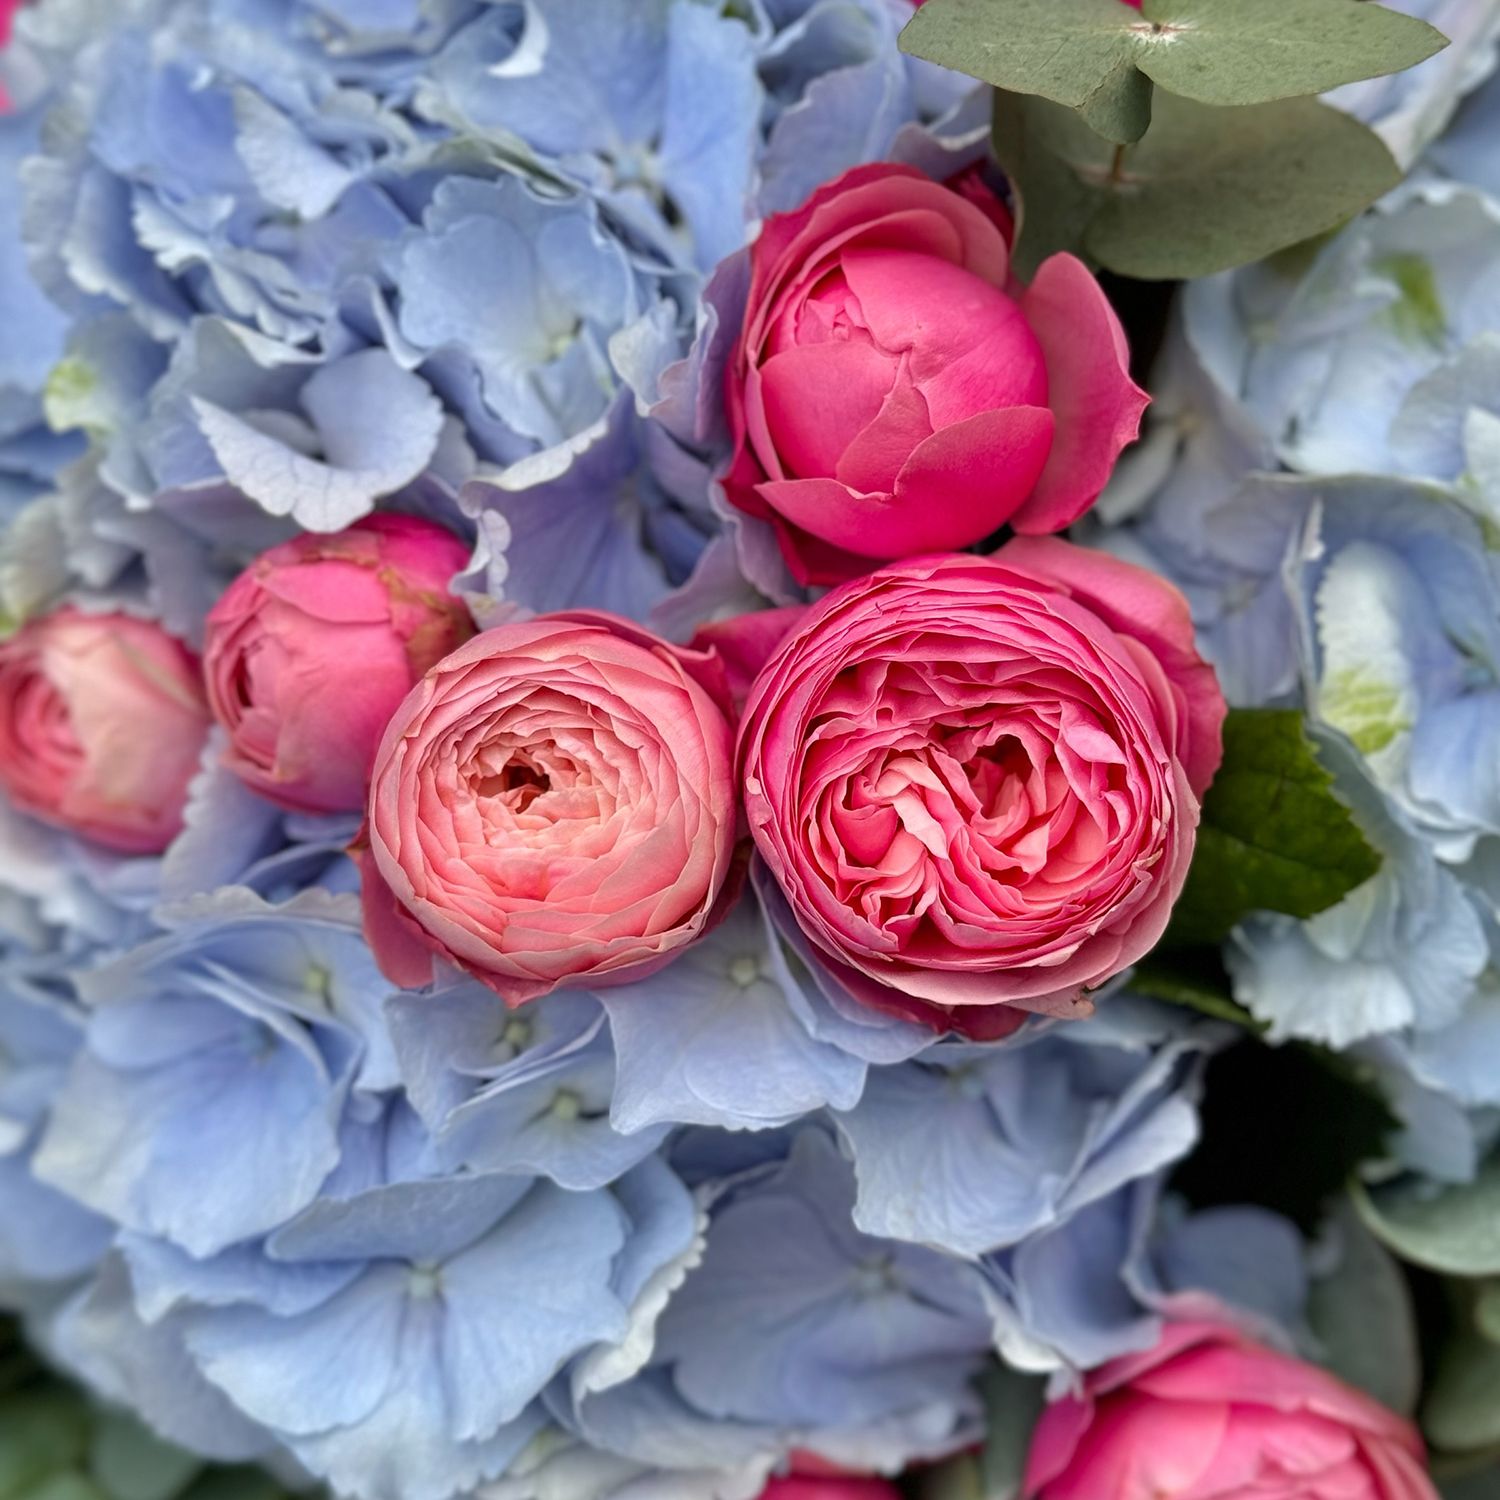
1273,835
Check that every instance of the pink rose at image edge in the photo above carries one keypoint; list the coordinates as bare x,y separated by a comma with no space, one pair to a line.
310,650
893,391
1210,1412
803,1487
8,9
517,830
1122,639
102,724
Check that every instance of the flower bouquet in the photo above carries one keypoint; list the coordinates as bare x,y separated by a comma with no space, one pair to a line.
750,751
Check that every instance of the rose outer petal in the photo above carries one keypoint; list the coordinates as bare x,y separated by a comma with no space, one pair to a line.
960,485
1097,405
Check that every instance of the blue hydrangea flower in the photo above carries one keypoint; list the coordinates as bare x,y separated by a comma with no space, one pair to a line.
608,533
1464,152
1099,1285
797,1318
392,1273
1402,953
524,1091
1335,361
205,1106
30,453
524,304
46,1239
688,120
973,1148
680,1036
1409,109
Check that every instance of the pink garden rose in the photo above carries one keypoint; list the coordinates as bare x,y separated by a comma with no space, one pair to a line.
976,779
313,646
894,391
553,804
102,724
801,1488
1209,1415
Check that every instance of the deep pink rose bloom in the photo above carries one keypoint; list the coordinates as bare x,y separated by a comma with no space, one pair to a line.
102,724
976,779
553,804
1209,1415
314,645
802,1488
894,391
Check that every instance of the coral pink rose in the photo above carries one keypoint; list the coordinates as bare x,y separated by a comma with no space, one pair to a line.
102,724
315,644
802,1488
976,780
1209,1415
553,804
893,390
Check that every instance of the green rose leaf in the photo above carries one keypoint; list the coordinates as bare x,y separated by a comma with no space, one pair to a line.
1195,977
1461,1412
1273,836
1209,188
1100,58
1454,1229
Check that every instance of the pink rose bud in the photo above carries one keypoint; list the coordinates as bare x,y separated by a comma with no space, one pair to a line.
313,646
976,779
102,724
553,804
800,1487
1209,1413
894,391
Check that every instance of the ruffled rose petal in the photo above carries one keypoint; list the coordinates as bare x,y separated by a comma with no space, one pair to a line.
1097,405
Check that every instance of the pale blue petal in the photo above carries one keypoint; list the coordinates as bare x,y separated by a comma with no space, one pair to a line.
377,427
145,1366
682,1036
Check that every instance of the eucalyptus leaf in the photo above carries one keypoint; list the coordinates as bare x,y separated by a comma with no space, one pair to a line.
1078,53
1361,1313
1461,1412
134,1464
1259,51
1478,1484
42,1434
1012,1404
1099,57
1273,836
1487,1311
1209,188
956,1478
1454,1229
64,1487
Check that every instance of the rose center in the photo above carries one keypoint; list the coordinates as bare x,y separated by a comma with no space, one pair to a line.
998,775
519,784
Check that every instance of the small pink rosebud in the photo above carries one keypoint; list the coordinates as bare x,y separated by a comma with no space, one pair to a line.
102,724
314,645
